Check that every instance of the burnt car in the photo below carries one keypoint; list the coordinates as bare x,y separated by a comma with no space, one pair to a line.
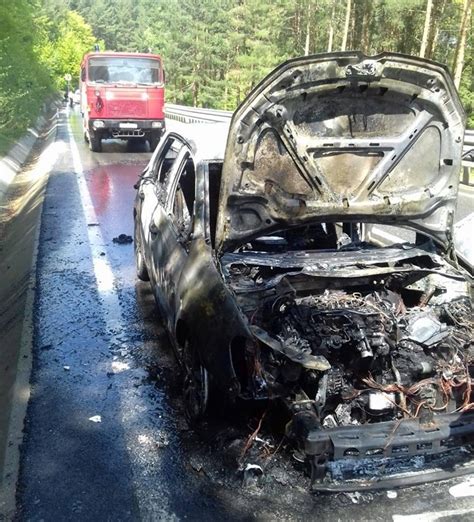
259,243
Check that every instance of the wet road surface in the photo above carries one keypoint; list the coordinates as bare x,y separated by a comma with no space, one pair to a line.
105,434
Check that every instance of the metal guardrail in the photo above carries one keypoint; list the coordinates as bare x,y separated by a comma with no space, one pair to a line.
198,115
195,114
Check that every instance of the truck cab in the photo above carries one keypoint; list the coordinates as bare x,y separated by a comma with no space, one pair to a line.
122,97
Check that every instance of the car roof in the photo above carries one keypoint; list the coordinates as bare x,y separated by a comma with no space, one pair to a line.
207,141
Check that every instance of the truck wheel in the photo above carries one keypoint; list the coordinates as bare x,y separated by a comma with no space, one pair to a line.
153,141
95,143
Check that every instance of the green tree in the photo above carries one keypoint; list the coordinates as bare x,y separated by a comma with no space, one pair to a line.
63,55
24,81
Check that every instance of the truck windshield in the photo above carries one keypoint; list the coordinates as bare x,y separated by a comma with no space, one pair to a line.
112,69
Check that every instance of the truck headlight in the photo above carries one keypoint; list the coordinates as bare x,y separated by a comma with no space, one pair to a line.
157,124
98,124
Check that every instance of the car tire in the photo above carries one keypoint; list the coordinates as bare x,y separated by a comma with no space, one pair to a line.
195,385
140,266
95,143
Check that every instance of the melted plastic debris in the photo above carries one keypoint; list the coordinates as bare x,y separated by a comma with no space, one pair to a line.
123,239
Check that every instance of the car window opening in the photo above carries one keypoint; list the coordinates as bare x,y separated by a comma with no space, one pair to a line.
183,204
172,148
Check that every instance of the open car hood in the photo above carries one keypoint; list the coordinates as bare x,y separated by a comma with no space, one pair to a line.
344,137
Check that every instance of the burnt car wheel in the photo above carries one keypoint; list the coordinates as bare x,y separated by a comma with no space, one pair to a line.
142,271
195,386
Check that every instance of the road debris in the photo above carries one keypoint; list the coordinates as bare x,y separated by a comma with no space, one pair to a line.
122,239
252,473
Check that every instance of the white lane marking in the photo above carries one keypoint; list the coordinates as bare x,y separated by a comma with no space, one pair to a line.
431,516
102,269
133,408
464,489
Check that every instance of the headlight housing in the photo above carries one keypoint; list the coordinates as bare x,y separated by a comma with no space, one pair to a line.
157,124
98,124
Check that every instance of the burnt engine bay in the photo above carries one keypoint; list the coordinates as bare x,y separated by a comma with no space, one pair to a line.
371,350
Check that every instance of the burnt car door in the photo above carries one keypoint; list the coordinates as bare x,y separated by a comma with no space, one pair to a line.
171,230
153,194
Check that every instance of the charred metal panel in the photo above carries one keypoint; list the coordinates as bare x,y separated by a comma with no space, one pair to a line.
344,137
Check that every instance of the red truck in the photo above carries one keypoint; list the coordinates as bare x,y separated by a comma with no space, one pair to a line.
122,97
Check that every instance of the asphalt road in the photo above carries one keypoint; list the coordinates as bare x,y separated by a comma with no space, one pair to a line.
105,437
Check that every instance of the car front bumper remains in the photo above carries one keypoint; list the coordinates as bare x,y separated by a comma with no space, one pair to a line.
391,454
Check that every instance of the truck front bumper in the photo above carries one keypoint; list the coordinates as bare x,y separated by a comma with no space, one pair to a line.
126,128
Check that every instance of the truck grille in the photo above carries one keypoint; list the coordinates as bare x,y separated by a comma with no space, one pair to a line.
136,133
127,109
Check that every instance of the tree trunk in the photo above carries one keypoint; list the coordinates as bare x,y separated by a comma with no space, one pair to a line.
437,16
346,25
308,26
365,27
331,27
427,28
352,29
461,46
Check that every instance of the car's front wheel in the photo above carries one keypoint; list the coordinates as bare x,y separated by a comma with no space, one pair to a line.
196,384
142,271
